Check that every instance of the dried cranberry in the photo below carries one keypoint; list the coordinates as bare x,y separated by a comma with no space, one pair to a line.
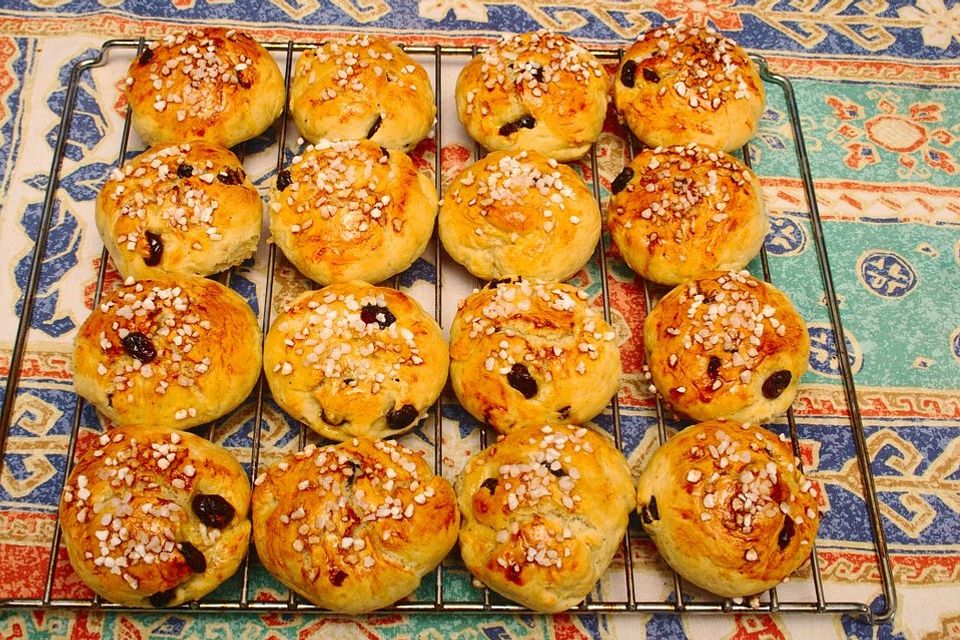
139,346
402,417
563,412
283,179
537,72
521,380
775,385
213,510
375,313
786,533
713,367
337,577
523,122
628,73
649,513
244,81
230,176
559,472
184,170
146,56
194,557
375,126
162,598
493,284
155,247
620,182
650,75
355,471
490,484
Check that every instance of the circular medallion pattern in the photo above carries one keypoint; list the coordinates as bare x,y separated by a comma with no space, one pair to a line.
886,274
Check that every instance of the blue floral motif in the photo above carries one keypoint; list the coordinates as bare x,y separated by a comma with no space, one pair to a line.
665,625
419,270
857,629
823,351
10,128
887,274
60,257
88,125
786,237
172,627
246,288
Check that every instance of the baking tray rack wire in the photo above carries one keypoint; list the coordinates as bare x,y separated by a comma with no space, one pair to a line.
436,595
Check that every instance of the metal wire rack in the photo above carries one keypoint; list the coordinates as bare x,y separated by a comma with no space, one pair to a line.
441,599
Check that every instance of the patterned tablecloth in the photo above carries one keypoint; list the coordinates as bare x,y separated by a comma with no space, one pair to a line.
878,87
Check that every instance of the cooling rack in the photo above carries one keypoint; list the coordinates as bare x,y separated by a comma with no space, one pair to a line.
444,590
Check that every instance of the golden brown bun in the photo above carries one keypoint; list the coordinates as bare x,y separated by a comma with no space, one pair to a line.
531,352
352,211
728,508
364,87
179,208
356,360
353,527
519,213
680,84
726,346
170,351
155,517
208,84
536,90
680,212
543,511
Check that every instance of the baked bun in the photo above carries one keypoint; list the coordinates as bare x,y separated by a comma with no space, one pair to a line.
208,84
155,517
531,352
544,510
680,84
356,360
519,213
726,346
364,87
679,212
352,211
169,351
536,90
728,508
184,208
353,527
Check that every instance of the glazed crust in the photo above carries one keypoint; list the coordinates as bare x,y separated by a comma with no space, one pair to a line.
362,88
531,352
130,526
353,527
208,84
356,360
193,201
734,493
205,346
727,345
543,511
352,211
685,211
537,90
519,214
681,84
